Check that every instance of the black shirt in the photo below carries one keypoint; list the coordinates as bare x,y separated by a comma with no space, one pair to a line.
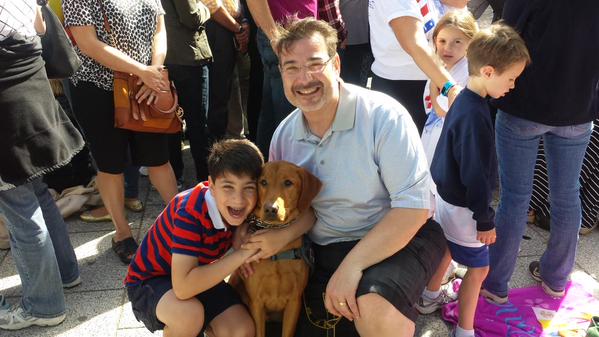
562,36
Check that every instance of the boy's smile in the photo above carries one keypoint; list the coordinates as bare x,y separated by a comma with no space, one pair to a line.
235,197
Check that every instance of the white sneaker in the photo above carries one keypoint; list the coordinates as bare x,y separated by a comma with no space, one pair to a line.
427,306
143,171
16,318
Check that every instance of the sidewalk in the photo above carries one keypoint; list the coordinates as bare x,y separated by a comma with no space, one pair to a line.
99,306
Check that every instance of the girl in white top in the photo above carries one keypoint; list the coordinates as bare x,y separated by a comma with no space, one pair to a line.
451,37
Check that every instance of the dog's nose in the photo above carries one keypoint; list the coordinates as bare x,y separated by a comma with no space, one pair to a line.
271,210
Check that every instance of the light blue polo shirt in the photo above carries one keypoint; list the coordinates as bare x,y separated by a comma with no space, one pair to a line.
371,159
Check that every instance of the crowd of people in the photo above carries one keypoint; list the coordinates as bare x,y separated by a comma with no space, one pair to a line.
409,166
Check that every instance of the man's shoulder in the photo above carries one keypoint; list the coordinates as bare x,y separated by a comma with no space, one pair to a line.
375,103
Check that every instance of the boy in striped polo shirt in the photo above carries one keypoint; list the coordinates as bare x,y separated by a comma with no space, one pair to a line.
175,281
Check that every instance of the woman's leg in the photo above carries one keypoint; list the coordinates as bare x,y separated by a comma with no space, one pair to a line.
112,191
163,178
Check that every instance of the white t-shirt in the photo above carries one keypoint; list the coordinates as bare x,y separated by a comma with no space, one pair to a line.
390,60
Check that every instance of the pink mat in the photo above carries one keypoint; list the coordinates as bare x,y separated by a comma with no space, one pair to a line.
527,308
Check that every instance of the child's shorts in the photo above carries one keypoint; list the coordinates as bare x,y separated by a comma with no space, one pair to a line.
144,299
471,257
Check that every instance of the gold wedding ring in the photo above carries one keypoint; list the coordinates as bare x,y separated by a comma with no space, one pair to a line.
341,303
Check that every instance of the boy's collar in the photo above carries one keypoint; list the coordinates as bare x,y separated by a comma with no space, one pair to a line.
217,219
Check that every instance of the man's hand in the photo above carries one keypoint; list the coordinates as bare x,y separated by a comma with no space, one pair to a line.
340,296
487,237
268,242
243,38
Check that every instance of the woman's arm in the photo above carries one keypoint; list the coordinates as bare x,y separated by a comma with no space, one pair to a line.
159,42
112,58
410,34
38,23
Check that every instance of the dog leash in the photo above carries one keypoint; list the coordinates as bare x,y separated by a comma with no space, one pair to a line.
325,323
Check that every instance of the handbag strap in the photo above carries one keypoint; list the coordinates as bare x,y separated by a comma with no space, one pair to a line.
107,25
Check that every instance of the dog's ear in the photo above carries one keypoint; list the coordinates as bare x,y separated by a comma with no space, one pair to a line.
310,188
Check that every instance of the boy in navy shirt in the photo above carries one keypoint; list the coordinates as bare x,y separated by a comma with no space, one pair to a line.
464,166
175,281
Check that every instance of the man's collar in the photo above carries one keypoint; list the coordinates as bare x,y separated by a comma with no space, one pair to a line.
345,115
217,219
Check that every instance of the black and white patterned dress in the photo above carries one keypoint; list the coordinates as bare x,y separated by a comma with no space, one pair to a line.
132,27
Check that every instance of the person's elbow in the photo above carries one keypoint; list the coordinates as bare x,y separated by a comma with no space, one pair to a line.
180,292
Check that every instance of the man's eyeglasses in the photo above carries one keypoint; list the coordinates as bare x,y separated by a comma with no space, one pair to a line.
311,68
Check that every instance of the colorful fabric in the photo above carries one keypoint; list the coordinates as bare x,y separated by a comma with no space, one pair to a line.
189,225
530,312
328,10
282,10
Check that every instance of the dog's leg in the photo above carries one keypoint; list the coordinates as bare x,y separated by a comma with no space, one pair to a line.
290,317
259,314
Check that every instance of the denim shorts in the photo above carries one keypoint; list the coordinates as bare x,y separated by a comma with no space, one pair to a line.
145,297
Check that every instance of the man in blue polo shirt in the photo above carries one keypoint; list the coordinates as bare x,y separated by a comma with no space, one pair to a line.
374,248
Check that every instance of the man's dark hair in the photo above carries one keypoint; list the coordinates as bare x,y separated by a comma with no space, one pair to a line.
235,156
297,29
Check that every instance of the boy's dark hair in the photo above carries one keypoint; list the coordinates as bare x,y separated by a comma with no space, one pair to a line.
297,29
235,156
498,46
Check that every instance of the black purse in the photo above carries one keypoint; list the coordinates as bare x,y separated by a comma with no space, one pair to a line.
57,51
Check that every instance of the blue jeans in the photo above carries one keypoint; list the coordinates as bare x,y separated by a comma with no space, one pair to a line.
517,142
131,181
40,246
275,106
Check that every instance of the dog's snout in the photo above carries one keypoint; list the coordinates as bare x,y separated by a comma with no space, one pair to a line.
271,210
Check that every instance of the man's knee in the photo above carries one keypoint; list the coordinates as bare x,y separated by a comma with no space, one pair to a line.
378,317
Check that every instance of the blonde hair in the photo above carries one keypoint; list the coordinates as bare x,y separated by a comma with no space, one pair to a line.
458,19
498,46
298,29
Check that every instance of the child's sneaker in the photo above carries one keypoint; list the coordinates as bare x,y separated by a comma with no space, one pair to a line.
427,306
16,318
492,298
535,271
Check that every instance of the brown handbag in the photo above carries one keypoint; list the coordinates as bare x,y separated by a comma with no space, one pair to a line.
162,116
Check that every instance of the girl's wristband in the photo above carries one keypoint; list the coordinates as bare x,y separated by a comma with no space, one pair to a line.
446,88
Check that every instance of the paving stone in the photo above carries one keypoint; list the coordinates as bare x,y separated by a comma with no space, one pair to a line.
89,314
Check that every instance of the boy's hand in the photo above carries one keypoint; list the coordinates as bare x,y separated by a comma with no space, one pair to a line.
487,237
267,241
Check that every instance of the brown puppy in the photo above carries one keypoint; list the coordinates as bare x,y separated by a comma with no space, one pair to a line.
284,191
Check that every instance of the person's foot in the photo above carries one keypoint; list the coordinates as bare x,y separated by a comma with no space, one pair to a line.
587,230
492,298
73,283
427,306
125,249
16,318
535,271
134,204
99,214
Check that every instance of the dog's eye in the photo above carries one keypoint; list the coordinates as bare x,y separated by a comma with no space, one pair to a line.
263,182
288,183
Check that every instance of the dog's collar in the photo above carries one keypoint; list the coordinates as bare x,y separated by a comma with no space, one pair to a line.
256,224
